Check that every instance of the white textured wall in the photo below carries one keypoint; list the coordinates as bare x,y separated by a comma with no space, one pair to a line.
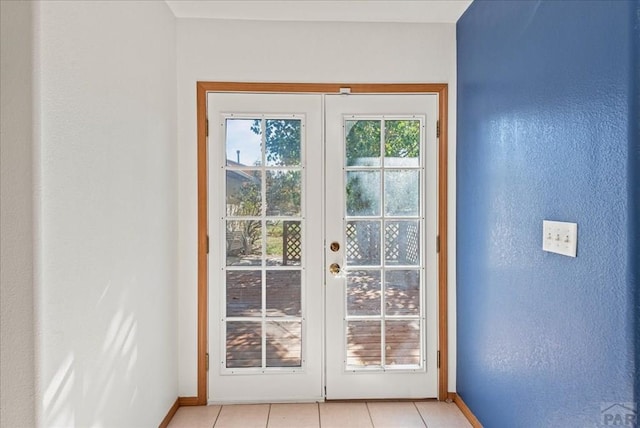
17,381
295,52
108,214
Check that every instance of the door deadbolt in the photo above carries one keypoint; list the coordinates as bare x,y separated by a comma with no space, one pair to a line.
334,246
334,268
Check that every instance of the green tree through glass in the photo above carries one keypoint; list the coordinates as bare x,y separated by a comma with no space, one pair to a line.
282,139
363,144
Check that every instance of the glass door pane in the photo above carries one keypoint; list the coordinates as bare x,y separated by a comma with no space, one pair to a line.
264,231
382,231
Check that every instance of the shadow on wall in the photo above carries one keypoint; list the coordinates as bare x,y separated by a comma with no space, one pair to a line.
69,398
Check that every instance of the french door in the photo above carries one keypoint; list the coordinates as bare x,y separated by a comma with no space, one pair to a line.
322,223
265,270
381,217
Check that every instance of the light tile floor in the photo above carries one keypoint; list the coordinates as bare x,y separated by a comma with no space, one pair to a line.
430,414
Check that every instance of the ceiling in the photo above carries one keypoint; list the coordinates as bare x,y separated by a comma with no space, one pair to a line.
415,11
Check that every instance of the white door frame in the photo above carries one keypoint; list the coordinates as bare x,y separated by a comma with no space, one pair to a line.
202,88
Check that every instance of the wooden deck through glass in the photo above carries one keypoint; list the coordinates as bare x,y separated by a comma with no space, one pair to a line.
283,327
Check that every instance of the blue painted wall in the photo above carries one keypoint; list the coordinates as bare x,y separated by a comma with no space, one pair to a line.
547,129
634,189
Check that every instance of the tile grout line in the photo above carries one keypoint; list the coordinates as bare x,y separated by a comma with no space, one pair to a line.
419,413
319,418
268,416
369,412
215,420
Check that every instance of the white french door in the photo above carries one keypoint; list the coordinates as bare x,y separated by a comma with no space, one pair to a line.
265,226
381,219
292,317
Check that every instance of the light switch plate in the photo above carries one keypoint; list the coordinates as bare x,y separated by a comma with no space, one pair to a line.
560,237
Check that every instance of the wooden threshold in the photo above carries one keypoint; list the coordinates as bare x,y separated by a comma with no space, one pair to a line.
202,88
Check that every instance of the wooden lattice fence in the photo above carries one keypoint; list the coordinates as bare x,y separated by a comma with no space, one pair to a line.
291,242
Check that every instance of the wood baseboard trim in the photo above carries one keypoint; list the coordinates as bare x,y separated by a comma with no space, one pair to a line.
466,411
172,411
180,402
189,401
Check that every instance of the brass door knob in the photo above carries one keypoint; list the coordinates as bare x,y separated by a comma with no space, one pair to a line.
334,268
